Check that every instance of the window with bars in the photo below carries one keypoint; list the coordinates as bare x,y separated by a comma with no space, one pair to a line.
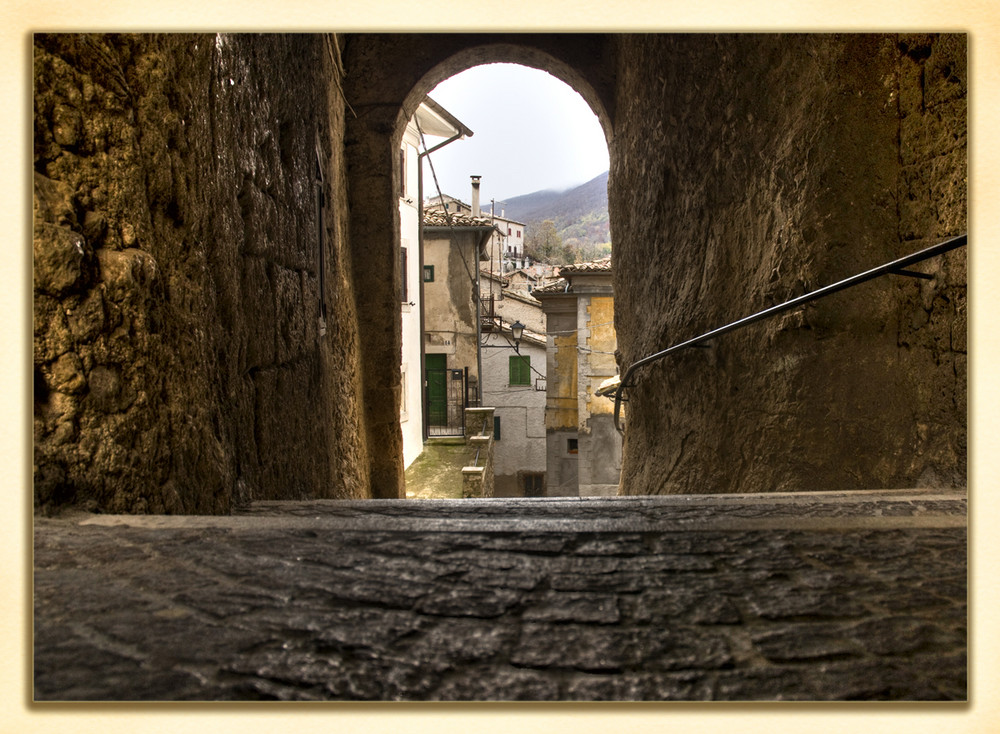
520,370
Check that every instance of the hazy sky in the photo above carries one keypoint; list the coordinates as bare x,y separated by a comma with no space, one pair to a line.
531,132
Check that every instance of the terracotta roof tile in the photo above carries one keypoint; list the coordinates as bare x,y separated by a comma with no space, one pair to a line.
558,287
595,266
438,219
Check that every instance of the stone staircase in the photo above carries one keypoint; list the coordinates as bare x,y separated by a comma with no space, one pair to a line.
478,477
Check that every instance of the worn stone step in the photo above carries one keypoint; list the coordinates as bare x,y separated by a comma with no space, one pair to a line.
832,596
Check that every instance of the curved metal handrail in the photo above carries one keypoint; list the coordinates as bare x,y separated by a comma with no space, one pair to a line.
895,267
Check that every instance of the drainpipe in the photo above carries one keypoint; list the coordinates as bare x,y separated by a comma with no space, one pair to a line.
478,296
479,316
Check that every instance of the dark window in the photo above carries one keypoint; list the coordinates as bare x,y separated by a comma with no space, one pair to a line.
428,273
572,446
496,428
403,291
533,485
520,370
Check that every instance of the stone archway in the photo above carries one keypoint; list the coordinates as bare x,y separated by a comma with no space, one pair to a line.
387,78
744,169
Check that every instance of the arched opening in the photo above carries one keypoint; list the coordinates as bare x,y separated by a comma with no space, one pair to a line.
721,194
387,78
517,152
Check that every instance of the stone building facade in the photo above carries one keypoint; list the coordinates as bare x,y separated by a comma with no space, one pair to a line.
514,380
505,250
583,448
453,249
430,126
208,329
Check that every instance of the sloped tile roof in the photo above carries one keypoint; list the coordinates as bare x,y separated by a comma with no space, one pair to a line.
594,266
438,219
558,287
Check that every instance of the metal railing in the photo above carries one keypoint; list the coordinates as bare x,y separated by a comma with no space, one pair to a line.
897,267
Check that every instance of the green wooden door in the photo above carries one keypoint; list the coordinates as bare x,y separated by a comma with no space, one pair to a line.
436,366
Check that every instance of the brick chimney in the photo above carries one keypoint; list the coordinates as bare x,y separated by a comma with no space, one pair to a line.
475,195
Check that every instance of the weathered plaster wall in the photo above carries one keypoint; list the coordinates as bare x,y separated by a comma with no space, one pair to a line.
411,398
745,170
178,361
600,457
521,410
562,371
449,302
513,305
561,398
597,344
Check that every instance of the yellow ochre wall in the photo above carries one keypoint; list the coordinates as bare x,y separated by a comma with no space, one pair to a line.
600,347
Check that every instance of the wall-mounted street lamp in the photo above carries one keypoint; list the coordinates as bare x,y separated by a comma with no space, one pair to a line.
517,331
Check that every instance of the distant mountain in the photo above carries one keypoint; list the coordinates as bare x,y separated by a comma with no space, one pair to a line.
580,214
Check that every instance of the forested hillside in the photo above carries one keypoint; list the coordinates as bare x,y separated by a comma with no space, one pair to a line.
579,217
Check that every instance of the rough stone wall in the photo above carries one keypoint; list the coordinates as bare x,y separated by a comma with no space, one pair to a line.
746,170
178,361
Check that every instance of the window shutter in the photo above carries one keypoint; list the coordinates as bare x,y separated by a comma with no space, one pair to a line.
520,370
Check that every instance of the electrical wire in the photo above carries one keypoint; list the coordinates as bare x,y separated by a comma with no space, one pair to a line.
447,214
530,366
573,331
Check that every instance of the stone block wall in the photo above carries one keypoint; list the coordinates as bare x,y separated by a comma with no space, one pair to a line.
747,170
180,360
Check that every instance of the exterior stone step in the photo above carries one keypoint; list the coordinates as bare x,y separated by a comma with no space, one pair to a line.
833,596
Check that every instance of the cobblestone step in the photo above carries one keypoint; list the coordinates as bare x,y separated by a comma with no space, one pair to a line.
856,595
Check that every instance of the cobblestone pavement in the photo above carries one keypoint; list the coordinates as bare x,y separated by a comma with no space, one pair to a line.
724,597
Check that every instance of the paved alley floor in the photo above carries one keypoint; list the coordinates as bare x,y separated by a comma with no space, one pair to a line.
437,472
857,595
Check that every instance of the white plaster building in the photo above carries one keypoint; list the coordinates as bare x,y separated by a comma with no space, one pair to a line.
514,382
435,123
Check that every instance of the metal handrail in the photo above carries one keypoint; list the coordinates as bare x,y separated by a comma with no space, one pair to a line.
897,267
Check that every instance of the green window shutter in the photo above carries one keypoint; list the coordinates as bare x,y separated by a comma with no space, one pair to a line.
520,370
